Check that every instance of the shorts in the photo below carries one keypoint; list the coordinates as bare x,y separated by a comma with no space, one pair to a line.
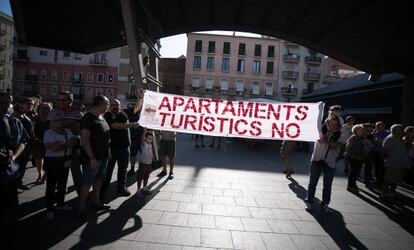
167,148
144,171
89,176
394,174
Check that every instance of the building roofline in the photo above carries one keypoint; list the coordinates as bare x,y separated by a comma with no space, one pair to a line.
7,17
227,36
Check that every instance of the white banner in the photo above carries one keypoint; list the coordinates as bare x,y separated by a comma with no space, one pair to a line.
246,119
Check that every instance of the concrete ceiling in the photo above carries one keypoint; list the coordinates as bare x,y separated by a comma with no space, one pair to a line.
374,36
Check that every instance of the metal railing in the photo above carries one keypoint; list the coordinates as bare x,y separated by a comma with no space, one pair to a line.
290,74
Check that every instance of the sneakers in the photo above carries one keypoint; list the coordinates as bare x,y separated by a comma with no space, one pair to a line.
64,208
327,209
162,174
309,207
170,176
124,192
50,215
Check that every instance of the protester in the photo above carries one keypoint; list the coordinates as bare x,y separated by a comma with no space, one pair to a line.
95,137
368,162
40,124
119,146
286,151
397,160
58,142
336,110
323,159
136,133
145,164
379,135
13,137
347,132
71,120
356,151
167,149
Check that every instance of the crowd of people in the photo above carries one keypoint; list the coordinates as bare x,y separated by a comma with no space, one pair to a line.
59,138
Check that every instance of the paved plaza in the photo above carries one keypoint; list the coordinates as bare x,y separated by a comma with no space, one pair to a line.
233,198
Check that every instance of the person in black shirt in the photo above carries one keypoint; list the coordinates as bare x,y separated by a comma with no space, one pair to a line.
120,142
95,136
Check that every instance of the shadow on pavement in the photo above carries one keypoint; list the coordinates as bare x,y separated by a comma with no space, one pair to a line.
333,224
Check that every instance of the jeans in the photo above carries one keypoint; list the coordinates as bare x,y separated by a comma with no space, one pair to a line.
315,172
56,179
355,170
120,155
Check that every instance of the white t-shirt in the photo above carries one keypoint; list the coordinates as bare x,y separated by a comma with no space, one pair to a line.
51,136
320,149
146,156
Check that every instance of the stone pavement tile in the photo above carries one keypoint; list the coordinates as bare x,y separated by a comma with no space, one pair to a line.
202,184
245,202
173,188
256,225
181,197
251,194
221,200
383,245
165,205
237,211
174,219
368,232
261,213
283,226
153,233
213,191
193,190
289,204
184,236
192,208
127,244
68,243
226,210
308,242
197,248
285,214
310,228
267,203
163,196
232,193
149,216
303,214
201,221
329,243
278,241
151,246
223,185
247,240
214,209
201,198
230,223
399,235
216,238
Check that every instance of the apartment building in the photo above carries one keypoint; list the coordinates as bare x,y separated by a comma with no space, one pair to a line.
45,72
333,71
172,75
6,48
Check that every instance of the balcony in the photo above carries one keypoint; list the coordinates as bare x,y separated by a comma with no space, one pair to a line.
231,91
77,82
98,63
289,91
290,44
254,94
290,74
291,58
312,76
31,78
313,60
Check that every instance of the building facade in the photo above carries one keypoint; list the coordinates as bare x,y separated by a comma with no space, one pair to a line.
172,75
333,71
6,49
45,72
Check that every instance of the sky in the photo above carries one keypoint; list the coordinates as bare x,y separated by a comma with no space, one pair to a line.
173,46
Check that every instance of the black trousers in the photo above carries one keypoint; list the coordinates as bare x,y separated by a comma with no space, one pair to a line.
56,179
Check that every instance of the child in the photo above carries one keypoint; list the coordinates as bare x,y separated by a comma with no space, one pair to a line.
58,143
145,163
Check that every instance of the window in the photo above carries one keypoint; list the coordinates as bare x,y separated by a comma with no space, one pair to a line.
239,86
242,49
310,86
99,91
100,77
55,75
53,90
224,85
240,65
268,89
209,83
110,78
65,76
196,82
211,47
66,54
198,46
226,48
256,88
78,56
225,65
256,67
89,92
271,51
210,63
257,50
22,54
43,90
33,72
21,73
109,93
197,62
90,77
77,78
43,75
43,52
269,68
